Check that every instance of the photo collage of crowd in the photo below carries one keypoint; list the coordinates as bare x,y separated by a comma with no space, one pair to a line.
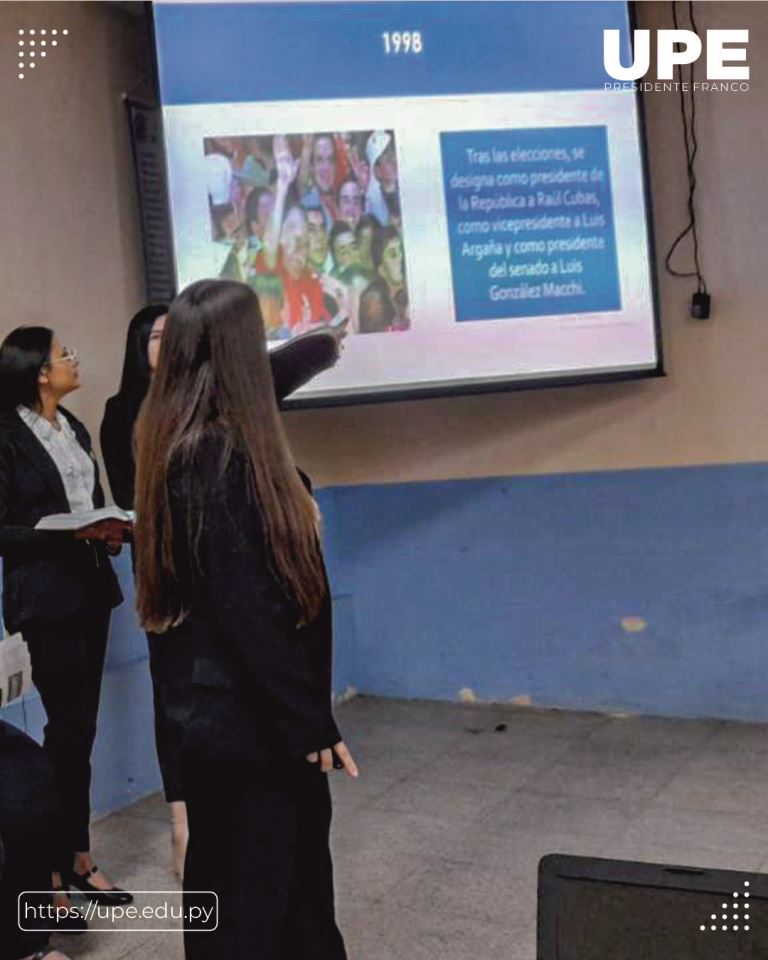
312,223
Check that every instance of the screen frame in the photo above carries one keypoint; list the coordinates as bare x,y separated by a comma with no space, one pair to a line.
480,387
554,867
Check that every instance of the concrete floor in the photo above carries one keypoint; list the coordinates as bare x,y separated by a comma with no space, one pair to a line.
437,845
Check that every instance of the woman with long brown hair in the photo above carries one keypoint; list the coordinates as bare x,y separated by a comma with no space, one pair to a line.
228,556
292,365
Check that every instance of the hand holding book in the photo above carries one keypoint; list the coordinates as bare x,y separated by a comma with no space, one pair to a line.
113,531
110,524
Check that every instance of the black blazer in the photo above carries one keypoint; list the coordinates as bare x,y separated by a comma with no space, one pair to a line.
258,682
293,365
44,575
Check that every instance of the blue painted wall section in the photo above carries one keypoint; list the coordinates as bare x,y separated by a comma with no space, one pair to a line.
518,587
515,587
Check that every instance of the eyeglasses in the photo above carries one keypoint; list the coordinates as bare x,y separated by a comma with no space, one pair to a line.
68,355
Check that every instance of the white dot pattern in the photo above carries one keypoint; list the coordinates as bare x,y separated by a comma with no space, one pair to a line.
735,916
32,33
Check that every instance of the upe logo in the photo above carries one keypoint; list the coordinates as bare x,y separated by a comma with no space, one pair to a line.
668,55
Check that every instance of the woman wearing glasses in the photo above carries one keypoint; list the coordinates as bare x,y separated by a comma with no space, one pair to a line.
292,365
57,591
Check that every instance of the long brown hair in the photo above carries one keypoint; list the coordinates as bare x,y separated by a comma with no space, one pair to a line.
214,376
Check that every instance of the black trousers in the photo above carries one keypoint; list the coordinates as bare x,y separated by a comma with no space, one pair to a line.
67,665
169,668
27,813
258,837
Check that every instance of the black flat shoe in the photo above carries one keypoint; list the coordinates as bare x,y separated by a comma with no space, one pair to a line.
73,922
112,897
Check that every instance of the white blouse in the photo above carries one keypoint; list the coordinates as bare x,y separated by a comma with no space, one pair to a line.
78,473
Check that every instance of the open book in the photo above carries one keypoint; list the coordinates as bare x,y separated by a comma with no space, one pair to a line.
71,522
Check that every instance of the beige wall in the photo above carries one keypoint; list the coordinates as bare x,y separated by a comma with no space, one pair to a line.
69,234
71,258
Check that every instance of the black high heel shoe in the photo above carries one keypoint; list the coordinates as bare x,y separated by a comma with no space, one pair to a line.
112,897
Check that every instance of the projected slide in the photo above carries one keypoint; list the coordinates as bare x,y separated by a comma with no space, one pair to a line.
453,179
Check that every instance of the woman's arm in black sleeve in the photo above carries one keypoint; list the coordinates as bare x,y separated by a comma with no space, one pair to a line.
300,360
117,449
255,618
25,543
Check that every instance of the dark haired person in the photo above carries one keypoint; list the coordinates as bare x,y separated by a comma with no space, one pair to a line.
344,249
318,162
116,435
292,366
258,209
350,201
384,305
57,591
376,310
142,347
28,811
228,556
403,308
387,256
317,240
367,228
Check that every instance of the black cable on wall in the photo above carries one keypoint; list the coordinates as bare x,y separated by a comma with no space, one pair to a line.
700,306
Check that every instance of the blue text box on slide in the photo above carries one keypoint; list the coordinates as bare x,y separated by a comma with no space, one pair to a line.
530,222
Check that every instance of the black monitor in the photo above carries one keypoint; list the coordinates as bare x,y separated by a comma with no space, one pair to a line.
597,909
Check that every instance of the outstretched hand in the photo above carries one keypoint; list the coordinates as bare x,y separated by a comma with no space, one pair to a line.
287,166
